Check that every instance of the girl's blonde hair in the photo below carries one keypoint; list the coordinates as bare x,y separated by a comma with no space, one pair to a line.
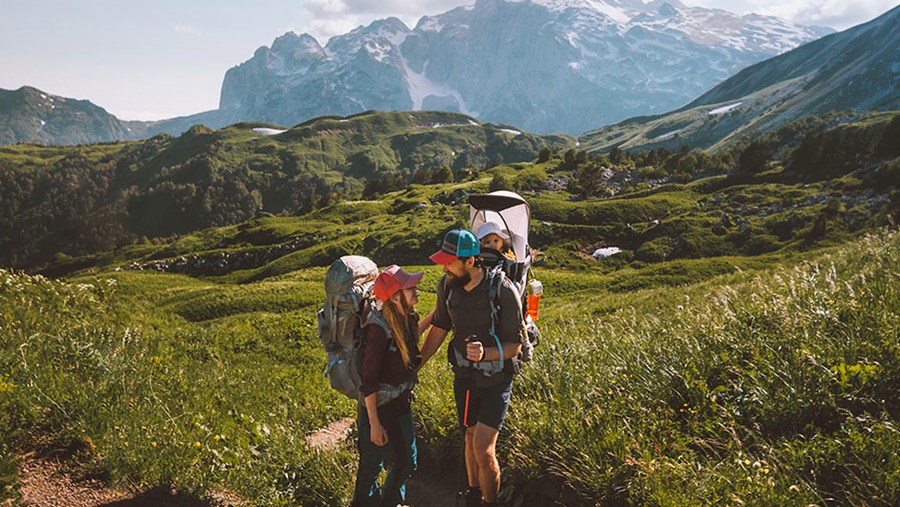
397,317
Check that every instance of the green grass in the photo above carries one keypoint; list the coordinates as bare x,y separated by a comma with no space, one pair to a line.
774,387
741,349
764,380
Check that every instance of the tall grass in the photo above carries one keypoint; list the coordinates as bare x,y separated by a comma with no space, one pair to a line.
780,390
155,399
764,385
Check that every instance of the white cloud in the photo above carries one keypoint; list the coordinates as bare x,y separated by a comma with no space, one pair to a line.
186,29
839,14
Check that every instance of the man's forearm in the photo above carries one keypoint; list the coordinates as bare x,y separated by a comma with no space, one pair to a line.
510,350
426,322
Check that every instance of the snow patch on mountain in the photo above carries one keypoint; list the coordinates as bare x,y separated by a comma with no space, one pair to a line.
420,87
615,13
667,134
378,51
268,131
724,109
430,24
602,253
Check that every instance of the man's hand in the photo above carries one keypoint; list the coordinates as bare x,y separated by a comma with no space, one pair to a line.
474,350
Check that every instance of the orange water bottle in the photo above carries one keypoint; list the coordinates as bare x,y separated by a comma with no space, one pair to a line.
534,298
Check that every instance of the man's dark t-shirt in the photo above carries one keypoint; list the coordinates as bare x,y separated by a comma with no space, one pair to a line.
469,313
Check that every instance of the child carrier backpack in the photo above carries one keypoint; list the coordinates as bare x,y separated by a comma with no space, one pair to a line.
513,214
349,307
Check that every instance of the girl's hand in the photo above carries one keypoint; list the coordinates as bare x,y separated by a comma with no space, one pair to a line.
378,435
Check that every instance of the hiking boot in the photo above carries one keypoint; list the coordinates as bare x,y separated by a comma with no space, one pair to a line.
473,497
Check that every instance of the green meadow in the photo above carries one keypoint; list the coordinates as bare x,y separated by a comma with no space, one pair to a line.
771,383
742,349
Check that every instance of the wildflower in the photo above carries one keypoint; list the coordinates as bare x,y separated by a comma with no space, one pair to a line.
6,385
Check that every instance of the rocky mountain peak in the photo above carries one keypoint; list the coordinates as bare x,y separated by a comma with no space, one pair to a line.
547,65
667,10
293,43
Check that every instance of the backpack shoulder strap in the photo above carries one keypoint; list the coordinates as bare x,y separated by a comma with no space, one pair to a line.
495,277
495,280
376,318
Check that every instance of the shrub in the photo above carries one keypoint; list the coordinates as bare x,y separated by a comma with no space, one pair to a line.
500,182
656,250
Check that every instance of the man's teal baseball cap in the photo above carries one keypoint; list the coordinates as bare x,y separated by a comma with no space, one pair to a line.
457,243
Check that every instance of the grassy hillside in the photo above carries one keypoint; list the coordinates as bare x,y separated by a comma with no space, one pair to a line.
79,200
776,211
740,349
774,384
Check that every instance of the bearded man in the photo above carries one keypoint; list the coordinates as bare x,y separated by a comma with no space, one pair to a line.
483,354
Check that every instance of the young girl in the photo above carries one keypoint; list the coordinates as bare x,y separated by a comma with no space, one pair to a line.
390,359
494,237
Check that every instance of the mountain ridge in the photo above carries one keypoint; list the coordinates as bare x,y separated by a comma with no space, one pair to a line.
589,65
557,66
857,69
34,115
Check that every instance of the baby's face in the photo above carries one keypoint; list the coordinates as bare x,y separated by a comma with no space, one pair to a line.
492,241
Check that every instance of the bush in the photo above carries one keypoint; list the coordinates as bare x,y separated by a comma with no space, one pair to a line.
754,158
656,250
529,181
500,182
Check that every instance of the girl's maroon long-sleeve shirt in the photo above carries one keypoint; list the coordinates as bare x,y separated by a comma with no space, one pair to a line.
382,362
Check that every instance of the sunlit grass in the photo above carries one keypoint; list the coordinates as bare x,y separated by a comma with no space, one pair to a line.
768,380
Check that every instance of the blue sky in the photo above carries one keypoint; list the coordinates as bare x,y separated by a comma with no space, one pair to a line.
166,58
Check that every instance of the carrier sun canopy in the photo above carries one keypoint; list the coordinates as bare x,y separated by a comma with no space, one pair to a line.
506,209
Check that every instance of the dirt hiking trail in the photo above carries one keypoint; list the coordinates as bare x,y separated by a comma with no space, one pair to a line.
50,480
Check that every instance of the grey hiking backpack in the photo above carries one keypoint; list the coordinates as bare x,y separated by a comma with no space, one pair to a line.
348,301
349,307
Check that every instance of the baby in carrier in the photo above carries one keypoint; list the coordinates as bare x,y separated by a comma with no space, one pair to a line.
494,237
